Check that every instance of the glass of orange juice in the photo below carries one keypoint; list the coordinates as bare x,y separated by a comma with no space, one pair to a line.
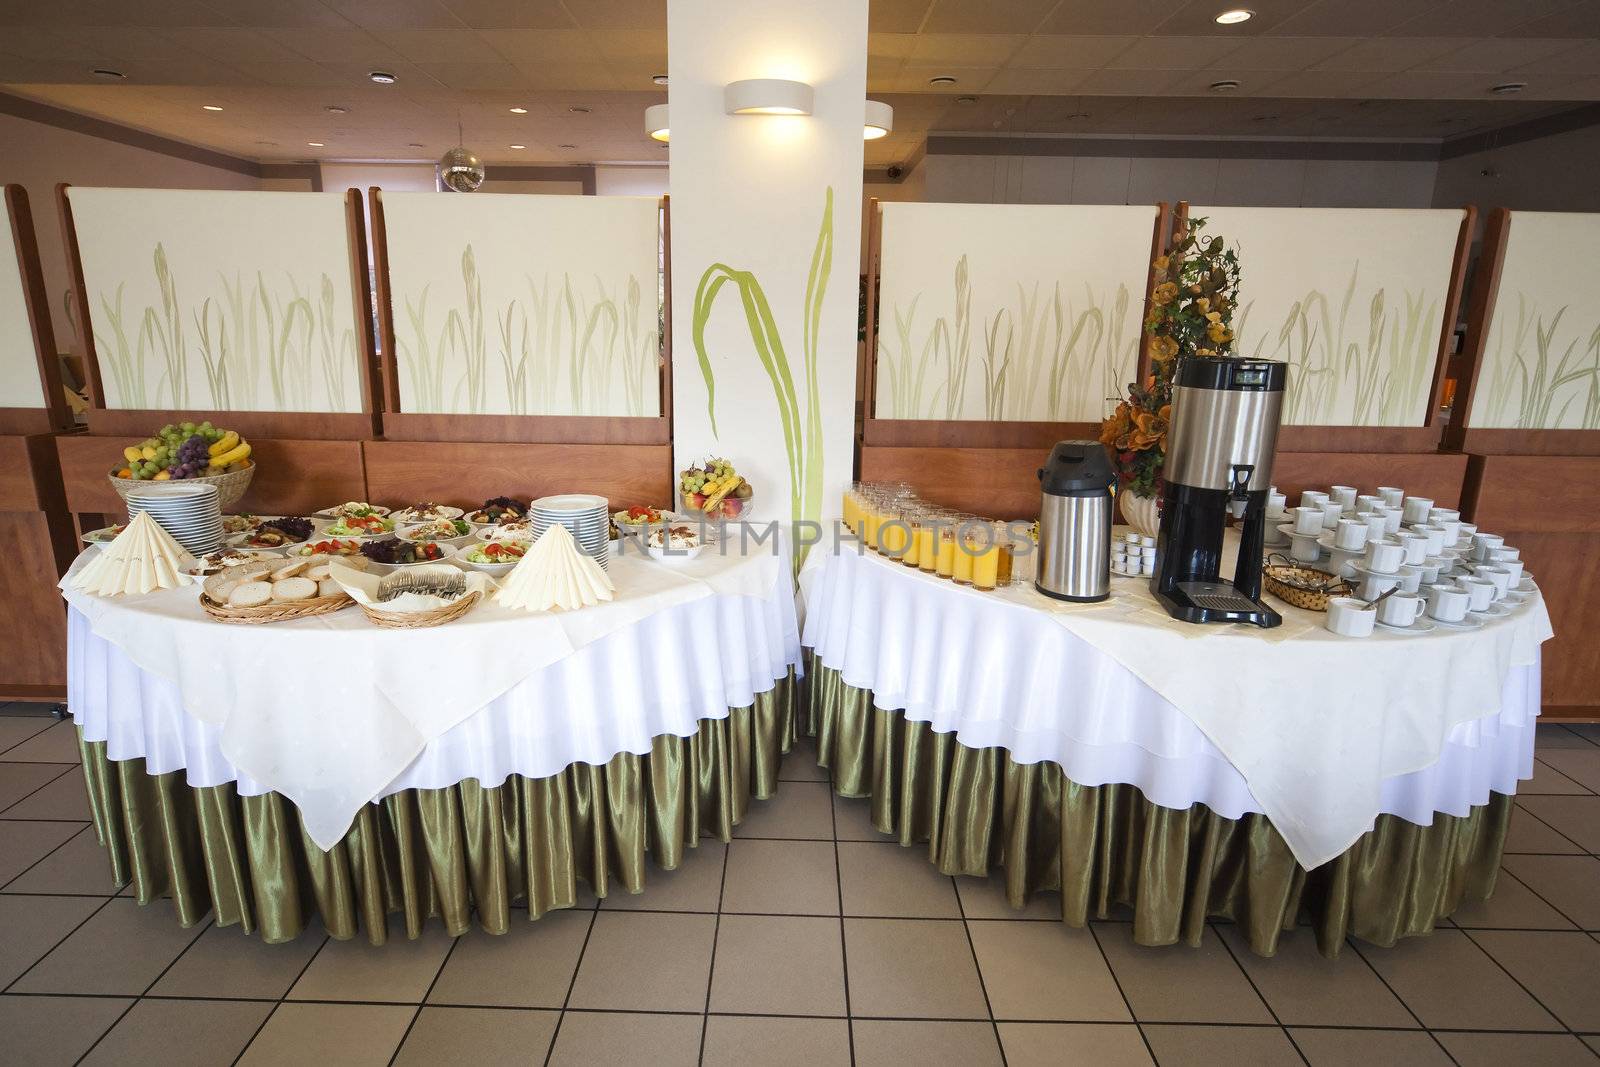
945,563
962,572
985,551
928,539
914,516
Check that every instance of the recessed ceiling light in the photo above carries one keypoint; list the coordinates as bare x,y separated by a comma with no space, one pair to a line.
519,111
315,144
659,79
517,146
335,109
1226,85
1507,88
414,144
1235,15
383,77
209,107
106,72
966,100
566,146
941,80
580,110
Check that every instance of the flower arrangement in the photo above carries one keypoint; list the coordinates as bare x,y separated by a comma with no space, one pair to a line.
1191,313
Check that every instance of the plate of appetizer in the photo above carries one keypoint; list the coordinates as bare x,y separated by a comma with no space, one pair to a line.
105,535
352,509
274,533
642,516
674,543
238,524
434,530
513,530
394,552
358,526
497,511
227,558
424,512
493,557
332,547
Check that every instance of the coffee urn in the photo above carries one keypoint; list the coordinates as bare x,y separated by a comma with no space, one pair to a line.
1075,522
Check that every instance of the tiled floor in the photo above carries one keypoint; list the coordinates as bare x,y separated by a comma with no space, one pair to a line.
808,940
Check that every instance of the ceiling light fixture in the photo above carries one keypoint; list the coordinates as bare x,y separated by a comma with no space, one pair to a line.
659,79
566,146
382,77
966,100
107,72
1507,88
942,80
518,147
1234,15
879,120
209,107
767,96
415,144
519,111
315,144
335,109
1227,85
580,110
656,122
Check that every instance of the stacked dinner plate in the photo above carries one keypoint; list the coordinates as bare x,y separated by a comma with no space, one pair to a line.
192,514
587,518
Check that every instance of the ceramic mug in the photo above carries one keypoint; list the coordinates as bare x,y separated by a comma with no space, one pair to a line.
1443,515
1332,510
1366,502
1305,550
1505,554
1485,543
1351,535
1374,585
1377,525
1391,495
1451,528
1275,502
1402,609
1411,578
1480,592
1513,568
1415,509
1344,494
1385,557
1349,617
1429,569
1415,545
1498,576
1307,520
1465,531
1312,498
1391,521
1447,603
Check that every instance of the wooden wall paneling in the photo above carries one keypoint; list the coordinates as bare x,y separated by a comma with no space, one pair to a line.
402,472
361,297
1480,309
83,336
388,363
136,424
529,429
1393,439
1440,475
31,610
57,415
939,433
999,483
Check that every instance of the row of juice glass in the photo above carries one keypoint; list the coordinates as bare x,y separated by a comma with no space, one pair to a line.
894,522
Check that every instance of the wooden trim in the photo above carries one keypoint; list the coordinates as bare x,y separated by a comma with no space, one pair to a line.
83,338
1497,441
36,693
361,297
1452,310
939,433
527,429
1392,439
19,422
37,301
869,352
388,366
1480,309
666,312
1168,219
138,423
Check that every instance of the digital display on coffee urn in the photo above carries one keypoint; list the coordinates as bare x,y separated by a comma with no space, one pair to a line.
1253,376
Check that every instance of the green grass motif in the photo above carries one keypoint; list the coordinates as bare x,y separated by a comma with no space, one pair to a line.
1523,390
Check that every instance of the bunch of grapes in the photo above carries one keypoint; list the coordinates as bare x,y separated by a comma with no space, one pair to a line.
193,457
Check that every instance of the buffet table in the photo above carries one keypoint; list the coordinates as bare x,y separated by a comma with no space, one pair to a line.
1187,772
326,765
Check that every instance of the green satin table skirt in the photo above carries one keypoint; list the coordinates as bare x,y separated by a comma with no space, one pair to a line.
457,852
1107,847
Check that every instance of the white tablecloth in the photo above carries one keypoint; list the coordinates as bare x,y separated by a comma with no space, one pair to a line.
1320,733
333,712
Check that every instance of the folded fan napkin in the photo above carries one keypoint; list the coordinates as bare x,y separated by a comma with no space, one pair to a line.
141,559
555,575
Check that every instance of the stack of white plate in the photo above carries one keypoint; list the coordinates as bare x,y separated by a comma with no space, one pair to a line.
587,518
192,514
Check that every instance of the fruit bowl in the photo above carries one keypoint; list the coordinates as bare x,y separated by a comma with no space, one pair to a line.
717,484
230,485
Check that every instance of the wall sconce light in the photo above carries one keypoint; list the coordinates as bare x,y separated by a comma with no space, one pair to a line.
656,123
767,96
880,120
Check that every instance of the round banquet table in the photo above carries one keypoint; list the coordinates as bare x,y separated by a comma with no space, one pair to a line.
1187,772
271,773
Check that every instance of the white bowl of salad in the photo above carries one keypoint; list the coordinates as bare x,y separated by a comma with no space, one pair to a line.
434,530
351,509
361,527
493,557
425,512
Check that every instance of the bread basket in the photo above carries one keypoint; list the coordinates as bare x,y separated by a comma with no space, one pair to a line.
275,612
1302,585
414,620
230,486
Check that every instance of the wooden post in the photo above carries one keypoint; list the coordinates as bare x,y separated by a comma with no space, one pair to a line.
57,415
869,355
1480,309
83,337
1452,309
361,297
388,364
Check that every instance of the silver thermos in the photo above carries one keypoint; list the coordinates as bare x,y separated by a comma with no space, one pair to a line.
1075,522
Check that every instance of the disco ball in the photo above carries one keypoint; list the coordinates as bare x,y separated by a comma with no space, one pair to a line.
460,170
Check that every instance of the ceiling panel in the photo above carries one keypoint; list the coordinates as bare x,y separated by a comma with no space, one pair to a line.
511,14
1174,53
1285,53
1111,17
1579,20
1374,18
1480,18
1199,17
987,16
396,14
1495,56
1385,55
966,49
1060,50
897,16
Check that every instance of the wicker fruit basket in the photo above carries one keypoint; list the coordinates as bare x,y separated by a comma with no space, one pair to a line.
416,620
230,486
298,609
1300,585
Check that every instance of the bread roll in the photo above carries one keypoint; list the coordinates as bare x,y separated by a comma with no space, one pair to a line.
290,589
329,587
249,595
317,572
291,570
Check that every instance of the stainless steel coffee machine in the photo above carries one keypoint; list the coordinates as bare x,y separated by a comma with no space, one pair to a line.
1075,522
1220,446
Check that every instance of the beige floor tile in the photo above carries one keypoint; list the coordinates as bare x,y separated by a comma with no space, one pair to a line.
30,927
17,780
22,844
800,765
121,950
587,1039
985,898
742,1041
349,1035
1529,834
895,1043
1582,765
1593,1041
797,810
1548,781
65,797
788,965
531,966
1589,731
912,968
58,744
695,886
1303,988
227,962
1450,982
1516,1050
51,1031
646,961
15,729
175,1033
787,877
1073,1045
1571,884
853,818
1176,983
1513,906
886,879
1208,1046
1341,1048
1561,969
1045,971
1576,817
483,1037
399,971
1553,736
80,867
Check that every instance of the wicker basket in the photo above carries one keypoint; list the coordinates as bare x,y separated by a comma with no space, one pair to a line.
296,609
414,620
230,486
1300,585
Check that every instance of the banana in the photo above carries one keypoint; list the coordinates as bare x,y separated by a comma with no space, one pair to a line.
132,454
234,455
715,499
228,443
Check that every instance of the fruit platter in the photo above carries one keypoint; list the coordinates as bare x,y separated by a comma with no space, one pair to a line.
714,490
394,552
497,511
188,451
424,512
369,525
494,557
275,533
434,530
333,547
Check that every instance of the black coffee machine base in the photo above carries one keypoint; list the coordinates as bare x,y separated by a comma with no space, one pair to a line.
1214,602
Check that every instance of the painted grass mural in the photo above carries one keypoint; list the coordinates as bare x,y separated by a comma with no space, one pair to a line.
1543,371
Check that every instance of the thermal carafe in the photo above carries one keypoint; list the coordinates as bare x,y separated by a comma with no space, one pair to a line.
1075,522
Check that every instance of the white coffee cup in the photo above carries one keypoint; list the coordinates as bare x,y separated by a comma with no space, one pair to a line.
1391,521
1351,534
1385,557
1429,569
1344,494
1513,568
1415,545
1402,609
1443,515
1451,528
1435,536
1312,498
1331,512
1275,502
1504,554
1367,501
1498,576
1447,603
1374,585
1377,525
1479,590
1464,532
1305,549
1307,520
1411,578
1484,543
1391,495
1415,510
1349,617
